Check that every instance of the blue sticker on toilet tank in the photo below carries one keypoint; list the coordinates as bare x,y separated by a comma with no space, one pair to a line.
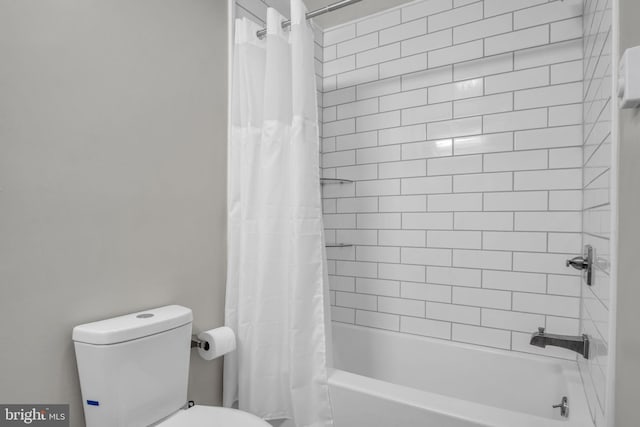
93,403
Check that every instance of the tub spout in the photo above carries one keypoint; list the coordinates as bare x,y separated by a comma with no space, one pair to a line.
579,344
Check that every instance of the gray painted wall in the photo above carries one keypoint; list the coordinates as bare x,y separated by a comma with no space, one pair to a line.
628,316
112,178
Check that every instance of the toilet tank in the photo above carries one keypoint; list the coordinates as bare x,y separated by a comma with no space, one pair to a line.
134,369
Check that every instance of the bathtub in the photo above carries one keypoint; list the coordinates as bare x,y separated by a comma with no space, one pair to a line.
386,379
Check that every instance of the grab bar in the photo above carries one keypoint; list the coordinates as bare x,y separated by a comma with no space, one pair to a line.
334,181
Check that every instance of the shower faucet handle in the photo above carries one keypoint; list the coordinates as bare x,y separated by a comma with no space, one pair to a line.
579,263
564,407
584,263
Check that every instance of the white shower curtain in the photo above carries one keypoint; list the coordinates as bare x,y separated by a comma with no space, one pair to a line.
276,294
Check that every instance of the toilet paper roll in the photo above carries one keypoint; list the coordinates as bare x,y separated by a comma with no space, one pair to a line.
221,341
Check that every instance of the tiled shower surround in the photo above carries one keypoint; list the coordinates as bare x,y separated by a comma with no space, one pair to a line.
597,194
460,123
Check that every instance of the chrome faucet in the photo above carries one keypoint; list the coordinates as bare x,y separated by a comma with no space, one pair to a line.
579,344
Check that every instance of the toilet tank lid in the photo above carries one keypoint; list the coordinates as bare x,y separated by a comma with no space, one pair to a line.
133,326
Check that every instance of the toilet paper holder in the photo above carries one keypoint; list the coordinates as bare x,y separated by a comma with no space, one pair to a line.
214,343
198,343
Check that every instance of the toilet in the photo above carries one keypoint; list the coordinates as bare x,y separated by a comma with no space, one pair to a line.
134,371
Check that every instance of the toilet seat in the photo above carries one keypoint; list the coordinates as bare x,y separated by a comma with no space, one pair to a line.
213,416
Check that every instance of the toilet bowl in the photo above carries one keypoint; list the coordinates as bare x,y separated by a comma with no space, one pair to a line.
134,372
211,416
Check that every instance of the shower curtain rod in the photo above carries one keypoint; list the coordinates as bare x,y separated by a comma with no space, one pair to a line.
313,14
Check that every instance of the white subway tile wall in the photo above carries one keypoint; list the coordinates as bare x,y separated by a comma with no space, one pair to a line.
461,125
598,101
